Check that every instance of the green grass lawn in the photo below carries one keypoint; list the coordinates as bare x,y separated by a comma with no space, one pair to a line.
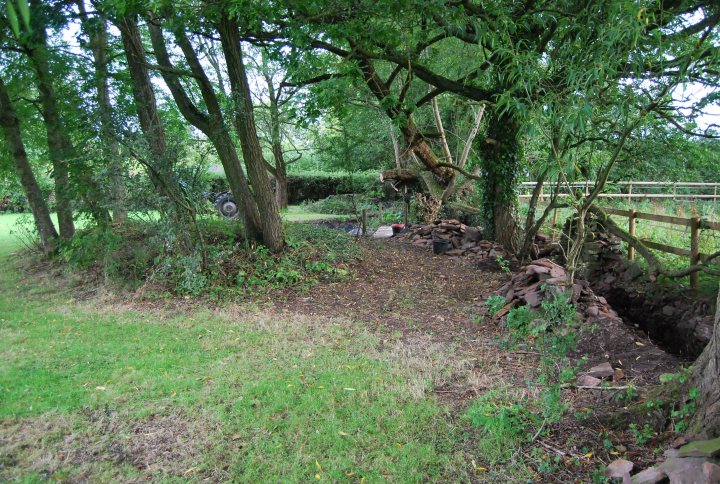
298,213
103,391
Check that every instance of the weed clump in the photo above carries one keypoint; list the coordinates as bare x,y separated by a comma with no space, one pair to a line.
512,419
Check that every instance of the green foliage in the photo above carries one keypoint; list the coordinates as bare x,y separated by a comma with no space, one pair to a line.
141,252
548,331
494,304
503,263
642,435
519,322
681,415
318,185
501,417
349,204
682,409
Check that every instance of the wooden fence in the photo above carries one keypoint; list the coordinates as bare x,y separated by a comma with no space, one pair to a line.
635,190
696,224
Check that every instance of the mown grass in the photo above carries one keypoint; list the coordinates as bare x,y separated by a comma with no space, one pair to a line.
106,391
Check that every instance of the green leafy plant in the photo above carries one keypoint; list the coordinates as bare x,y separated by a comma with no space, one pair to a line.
502,417
503,263
681,414
495,303
642,435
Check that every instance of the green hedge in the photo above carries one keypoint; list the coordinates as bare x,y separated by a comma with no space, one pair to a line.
319,185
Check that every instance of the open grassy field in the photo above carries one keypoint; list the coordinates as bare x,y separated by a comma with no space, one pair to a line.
106,391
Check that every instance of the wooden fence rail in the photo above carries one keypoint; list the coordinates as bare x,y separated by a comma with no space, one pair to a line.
631,190
696,224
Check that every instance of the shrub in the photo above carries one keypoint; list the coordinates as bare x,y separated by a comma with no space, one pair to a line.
138,252
317,185
348,204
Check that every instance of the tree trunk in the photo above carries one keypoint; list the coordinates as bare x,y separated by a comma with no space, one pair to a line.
211,124
281,185
61,174
97,31
706,374
160,168
501,161
280,172
60,146
13,137
271,223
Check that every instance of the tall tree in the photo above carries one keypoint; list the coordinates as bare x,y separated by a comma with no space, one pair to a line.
67,166
212,123
279,98
34,43
247,133
10,124
160,163
96,29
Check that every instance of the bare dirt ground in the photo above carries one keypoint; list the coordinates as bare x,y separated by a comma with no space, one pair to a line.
399,287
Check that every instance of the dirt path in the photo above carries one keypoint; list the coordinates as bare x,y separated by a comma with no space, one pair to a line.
402,287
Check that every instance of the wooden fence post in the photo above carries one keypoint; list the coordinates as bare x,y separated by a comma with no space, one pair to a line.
631,231
629,192
695,250
406,206
364,222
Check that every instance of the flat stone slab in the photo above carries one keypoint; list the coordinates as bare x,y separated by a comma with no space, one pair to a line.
701,448
603,370
383,232
652,475
687,470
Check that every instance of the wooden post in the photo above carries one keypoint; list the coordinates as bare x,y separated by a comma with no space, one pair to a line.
587,190
695,250
364,222
674,190
629,192
631,231
406,206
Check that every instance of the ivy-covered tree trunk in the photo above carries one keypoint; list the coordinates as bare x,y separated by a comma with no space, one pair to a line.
706,375
13,138
500,165
272,231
